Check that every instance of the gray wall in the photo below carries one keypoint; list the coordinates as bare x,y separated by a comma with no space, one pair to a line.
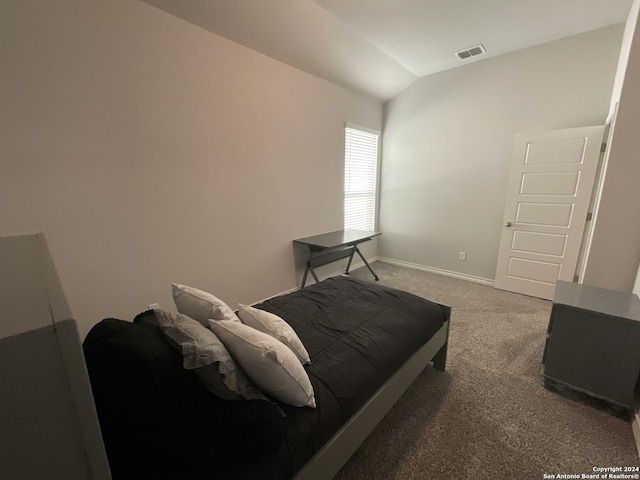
149,151
614,252
448,141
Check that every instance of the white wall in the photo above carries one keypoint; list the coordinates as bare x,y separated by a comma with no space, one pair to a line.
448,141
614,252
149,151
625,50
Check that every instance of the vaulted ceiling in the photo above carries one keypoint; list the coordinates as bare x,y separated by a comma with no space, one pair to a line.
379,47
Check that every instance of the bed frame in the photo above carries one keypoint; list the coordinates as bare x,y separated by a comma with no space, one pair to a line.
335,453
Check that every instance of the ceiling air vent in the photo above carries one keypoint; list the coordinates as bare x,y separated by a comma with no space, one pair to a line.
470,52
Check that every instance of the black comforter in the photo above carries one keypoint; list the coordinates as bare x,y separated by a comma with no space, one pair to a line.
357,334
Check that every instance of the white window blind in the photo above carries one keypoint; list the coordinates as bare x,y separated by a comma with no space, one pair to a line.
360,178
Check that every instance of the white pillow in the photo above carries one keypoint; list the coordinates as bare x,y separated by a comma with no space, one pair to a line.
273,325
200,305
206,355
267,361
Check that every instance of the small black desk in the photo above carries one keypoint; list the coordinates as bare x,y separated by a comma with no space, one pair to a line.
334,246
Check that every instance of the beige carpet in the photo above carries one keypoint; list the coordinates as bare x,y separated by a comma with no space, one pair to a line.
488,416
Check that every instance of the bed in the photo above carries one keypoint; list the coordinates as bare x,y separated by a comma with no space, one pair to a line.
367,344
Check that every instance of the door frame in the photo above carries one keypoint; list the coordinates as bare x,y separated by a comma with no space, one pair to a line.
596,194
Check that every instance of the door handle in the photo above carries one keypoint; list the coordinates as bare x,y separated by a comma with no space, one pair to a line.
507,224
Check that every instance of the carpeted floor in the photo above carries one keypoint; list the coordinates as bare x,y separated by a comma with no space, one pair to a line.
488,416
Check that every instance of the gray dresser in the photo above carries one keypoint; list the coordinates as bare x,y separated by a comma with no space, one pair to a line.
593,342
48,424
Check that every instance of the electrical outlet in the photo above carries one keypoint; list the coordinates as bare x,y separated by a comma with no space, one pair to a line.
154,306
462,256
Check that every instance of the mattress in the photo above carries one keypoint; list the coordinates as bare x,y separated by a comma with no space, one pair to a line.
358,334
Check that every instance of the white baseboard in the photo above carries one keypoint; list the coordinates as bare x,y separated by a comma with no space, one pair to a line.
448,273
354,266
401,263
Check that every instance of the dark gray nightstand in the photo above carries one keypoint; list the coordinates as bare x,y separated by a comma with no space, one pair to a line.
593,342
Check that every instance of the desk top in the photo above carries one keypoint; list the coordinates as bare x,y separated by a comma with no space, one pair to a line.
340,238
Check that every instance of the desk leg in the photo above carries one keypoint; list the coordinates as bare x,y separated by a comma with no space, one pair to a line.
353,250
313,272
304,277
357,250
308,269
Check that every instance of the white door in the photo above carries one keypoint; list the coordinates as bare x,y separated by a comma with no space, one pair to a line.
552,176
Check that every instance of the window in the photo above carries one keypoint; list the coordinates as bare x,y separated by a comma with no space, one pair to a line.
360,178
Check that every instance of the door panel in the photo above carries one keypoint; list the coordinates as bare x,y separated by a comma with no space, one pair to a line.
548,214
547,243
550,183
555,150
546,272
550,186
